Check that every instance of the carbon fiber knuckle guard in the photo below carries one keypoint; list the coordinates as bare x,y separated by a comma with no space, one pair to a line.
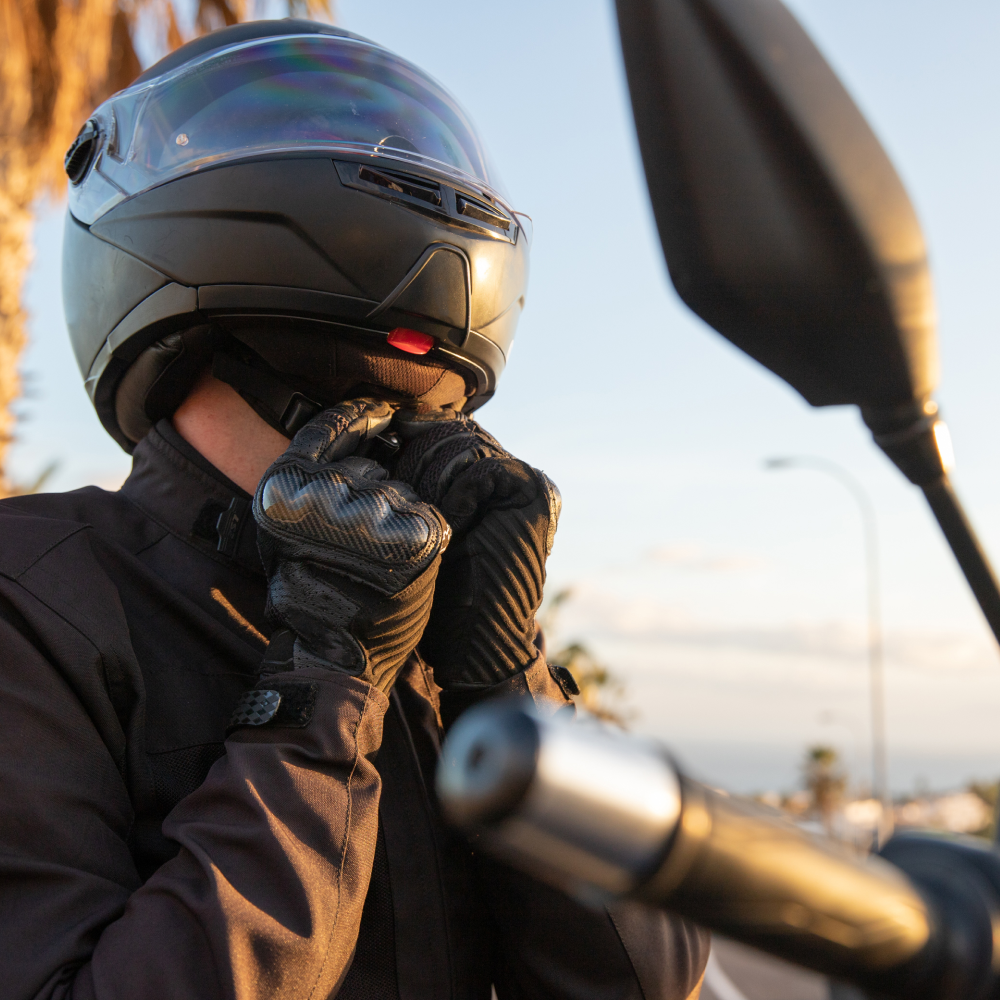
332,508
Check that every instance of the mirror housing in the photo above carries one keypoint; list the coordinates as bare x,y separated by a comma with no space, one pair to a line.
787,229
784,224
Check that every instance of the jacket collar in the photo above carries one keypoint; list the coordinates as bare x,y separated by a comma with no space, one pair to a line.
182,491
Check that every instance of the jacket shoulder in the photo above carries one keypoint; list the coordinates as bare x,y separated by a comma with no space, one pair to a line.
32,526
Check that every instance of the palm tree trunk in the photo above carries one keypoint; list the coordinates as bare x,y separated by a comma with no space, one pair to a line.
15,257
54,58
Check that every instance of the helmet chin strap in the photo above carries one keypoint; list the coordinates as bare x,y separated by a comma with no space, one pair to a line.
284,408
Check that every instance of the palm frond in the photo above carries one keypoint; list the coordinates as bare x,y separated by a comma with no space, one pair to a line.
58,60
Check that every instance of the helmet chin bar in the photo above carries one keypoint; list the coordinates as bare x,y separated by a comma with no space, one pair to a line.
174,309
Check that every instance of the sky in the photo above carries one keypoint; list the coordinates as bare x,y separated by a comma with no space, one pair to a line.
729,600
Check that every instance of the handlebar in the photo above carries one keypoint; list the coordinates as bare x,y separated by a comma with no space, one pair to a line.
604,815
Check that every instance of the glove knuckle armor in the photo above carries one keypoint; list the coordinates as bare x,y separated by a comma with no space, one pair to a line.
357,526
328,508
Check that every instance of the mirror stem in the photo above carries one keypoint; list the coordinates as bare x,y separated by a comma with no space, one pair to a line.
916,439
962,538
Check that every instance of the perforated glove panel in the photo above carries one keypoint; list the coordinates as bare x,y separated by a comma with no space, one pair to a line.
351,557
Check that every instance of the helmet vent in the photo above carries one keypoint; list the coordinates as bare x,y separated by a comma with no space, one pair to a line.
403,184
80,154
422,194
481,213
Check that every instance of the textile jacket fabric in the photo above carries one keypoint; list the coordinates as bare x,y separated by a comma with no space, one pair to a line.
145,854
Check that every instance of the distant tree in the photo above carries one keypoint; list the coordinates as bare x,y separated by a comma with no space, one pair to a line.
988,791
597,682
824,780
58,59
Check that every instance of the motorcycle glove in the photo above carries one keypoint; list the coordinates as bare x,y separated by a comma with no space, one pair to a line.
503,514
351,557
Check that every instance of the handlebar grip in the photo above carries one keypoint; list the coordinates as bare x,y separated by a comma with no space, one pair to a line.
749,873
604,815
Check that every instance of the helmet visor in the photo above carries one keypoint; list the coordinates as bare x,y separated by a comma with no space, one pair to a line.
282,94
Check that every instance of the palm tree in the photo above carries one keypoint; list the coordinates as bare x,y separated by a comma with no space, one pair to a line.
58,60
824,780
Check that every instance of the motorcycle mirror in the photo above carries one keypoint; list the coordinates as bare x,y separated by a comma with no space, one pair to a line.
784,224
786,227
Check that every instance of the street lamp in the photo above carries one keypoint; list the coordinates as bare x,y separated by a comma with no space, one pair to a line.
880,770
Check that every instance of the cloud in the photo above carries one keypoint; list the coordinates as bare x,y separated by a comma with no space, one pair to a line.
602,617
693,558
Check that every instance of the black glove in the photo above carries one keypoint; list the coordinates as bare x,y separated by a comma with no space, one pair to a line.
503,514
351,558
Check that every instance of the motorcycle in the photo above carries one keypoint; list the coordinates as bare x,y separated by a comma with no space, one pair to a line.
785,227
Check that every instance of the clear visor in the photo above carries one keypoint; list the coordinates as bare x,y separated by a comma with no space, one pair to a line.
285,94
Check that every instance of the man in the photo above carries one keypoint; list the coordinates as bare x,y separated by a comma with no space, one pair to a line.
224,687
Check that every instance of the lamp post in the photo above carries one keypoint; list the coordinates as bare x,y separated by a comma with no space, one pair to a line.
880,769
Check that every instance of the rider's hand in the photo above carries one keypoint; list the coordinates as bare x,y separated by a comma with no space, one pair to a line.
351,557
503,514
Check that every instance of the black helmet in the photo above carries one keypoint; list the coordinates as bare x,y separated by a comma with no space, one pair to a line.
301,208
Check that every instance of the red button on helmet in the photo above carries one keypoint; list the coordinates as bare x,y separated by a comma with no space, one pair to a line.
411,341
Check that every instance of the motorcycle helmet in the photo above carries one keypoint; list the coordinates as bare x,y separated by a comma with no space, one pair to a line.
301,209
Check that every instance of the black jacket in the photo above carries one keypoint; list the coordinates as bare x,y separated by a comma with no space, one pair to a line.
143,854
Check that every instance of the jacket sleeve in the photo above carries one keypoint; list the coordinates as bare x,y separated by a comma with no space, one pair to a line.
550,946
264,898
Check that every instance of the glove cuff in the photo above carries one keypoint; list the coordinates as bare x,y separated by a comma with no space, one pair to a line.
540,681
